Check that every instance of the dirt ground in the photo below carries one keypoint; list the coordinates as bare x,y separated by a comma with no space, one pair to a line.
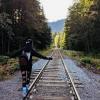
9,88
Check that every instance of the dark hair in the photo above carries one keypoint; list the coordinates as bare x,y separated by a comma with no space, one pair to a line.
29,41
28,45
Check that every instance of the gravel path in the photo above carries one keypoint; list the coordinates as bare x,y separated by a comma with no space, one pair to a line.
89,88
9,88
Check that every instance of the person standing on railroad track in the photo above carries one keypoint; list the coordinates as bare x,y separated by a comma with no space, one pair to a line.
25,61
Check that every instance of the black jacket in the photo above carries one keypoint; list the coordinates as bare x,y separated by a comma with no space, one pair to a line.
33,53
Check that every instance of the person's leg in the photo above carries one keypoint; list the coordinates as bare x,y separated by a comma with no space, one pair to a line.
29,69
24,80
23,72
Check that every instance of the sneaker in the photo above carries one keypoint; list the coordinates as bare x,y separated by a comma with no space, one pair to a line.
27,86
24,91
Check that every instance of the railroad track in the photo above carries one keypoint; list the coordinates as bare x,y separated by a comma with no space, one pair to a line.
52,82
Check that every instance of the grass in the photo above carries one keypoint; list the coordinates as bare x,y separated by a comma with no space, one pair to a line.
9,66
46,52
90,61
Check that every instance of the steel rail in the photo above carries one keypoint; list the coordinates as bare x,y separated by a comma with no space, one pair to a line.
70,77
36,79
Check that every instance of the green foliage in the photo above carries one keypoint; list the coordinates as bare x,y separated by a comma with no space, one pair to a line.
90,61
3,59
86,60
8,68
56,40
74,54
2,74
59,40
6,32
82,26
22,19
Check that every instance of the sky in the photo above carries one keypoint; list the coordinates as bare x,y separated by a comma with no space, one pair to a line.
56,9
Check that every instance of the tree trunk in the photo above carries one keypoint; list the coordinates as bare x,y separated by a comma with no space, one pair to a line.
8,51
2,44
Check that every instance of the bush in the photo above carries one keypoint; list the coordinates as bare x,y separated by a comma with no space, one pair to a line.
87,60
8,68
13,65
3,59
74,54
3,73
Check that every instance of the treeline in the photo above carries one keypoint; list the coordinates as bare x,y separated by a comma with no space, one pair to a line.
22,19
82,27
59,39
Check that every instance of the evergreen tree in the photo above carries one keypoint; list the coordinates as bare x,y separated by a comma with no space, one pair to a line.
28,20
82,26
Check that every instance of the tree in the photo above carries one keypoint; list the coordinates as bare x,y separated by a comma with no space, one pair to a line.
82,26
6,32
28,20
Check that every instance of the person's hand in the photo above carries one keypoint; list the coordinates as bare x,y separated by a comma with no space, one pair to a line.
49,58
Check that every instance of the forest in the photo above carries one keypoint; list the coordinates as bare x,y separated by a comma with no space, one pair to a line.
22,19
82,26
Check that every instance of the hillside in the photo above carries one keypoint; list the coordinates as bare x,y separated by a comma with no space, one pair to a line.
57,26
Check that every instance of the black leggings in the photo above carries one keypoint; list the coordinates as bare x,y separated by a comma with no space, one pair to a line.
26,73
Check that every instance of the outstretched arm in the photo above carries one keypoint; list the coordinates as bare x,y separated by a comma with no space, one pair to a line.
34,53
15,54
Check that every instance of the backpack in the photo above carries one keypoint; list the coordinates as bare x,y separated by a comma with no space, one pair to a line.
23,60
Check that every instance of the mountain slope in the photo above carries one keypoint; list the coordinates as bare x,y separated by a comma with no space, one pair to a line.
57,26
